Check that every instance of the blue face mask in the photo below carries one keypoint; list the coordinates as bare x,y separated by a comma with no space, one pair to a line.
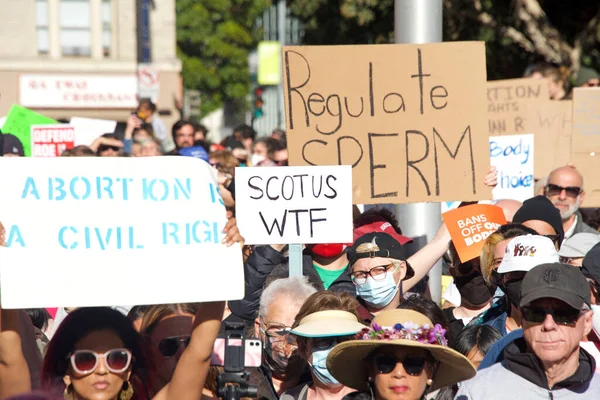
319,366
378,294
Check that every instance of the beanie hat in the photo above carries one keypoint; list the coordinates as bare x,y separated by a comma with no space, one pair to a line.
541,209
585,74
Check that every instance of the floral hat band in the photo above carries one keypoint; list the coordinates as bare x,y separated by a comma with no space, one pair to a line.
407,331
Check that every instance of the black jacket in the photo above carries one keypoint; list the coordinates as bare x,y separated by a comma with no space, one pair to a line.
522,362
260,264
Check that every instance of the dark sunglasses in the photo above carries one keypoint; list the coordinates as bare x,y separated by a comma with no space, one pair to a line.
328,342
554,238
562,316
105,148
555,190
413,365
169,346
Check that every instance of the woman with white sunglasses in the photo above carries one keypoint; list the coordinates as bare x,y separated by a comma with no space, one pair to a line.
97,354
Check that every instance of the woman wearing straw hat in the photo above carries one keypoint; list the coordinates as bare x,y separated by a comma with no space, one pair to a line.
401,356
325,319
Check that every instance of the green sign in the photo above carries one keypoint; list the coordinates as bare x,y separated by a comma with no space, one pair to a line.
269,63
19,121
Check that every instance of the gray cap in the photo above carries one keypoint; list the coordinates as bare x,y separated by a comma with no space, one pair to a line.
578,245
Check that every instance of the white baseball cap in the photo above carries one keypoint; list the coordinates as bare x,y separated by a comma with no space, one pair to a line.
578,245
526,252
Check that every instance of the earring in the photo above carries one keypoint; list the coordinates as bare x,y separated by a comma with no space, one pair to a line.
67,393
429,382
127,392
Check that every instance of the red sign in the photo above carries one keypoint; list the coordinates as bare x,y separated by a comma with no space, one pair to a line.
51,140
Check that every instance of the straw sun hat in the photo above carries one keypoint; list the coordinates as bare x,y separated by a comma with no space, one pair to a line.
407,328
327,324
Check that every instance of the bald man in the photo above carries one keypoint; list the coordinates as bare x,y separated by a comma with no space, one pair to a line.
509,207
565,190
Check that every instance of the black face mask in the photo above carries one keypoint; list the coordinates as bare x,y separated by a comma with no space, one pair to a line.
274,360
513,291
474,290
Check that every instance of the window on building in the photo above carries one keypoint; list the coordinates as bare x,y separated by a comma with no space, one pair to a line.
106,26
43,36
75,29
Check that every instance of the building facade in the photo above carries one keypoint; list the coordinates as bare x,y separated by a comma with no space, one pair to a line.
66,58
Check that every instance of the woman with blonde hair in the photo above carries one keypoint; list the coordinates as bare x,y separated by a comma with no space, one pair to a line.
325,319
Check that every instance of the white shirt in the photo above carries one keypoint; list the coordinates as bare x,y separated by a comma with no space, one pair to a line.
569,233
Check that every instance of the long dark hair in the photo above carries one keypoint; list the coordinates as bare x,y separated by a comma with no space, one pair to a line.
79,324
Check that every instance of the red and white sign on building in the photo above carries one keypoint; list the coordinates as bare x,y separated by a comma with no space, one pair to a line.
78,91
51,140
148,81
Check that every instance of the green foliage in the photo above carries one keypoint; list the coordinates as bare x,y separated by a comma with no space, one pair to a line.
372,21
214,38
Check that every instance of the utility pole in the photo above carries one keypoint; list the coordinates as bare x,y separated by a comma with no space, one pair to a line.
420,21
281,34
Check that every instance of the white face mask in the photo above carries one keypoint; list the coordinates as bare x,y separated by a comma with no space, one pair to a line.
255,159
596,319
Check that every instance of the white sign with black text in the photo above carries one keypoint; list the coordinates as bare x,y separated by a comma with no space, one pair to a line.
286,205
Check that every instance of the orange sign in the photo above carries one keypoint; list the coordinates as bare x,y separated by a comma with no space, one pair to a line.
469,227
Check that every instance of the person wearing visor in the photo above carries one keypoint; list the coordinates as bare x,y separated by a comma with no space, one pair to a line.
576,247
401,356
378,264
324,320
548,361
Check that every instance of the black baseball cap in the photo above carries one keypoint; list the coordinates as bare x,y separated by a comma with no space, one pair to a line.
12,145
591,264
388,246
556,281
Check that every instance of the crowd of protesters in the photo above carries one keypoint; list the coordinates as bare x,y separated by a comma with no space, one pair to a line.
521,321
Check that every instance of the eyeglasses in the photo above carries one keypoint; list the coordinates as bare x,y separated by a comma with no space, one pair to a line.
86,361
555,190
413,365
562,316
276,333
328,342
554,238
169,346
378,273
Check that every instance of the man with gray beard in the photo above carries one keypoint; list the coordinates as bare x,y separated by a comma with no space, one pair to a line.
565,190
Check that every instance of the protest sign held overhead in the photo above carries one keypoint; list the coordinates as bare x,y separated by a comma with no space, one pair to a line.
286,205
408,120
51,140
88,129
513,156
586,120
551,124
127,224
18,122
469,227
506,104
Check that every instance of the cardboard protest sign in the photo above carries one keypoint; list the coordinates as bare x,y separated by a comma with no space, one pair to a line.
51,140
506,102
18,122
588,165
513,156
410,122
286,205
586,120
105,231
551,124
469,227
89,129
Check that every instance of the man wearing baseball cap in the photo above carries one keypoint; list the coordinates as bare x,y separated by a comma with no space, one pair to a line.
547,362
576,247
